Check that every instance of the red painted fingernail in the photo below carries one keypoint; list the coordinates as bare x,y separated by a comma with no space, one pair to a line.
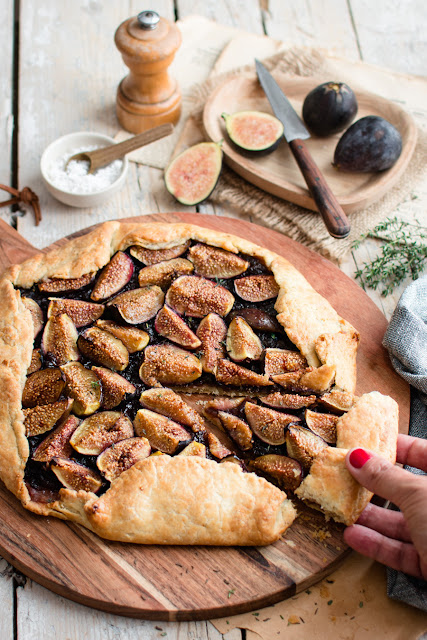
359,457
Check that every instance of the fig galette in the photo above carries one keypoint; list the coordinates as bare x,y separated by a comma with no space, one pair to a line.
167,384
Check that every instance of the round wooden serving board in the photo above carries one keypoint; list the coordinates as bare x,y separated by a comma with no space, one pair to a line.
189,583
278,173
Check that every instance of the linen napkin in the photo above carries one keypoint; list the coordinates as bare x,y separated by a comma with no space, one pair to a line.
406,342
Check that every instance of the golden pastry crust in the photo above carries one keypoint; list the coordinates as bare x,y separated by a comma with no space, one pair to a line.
307,317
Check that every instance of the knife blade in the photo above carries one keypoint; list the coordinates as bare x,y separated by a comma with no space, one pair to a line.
295,132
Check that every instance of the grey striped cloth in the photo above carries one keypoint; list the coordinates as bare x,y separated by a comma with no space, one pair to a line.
406,342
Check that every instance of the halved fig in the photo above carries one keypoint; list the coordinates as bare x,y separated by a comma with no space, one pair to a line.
134,339
279,400
162,433
229,372
75,476
43,387
242,342
192,175
194,449
217,449
81,312
233,459
60,285
196,296
168,364
153,256
103,348
257,319
113,277
267,424
38,420
254,130
213,407
282,360
57,444
171,405
36,314
212,332
170,325
286,471
237,429
100,431
307,380
162,273
122,456
340,401
36,362
114,387
303,445
256,288
83,386
322,424
59,342
211,262
138,305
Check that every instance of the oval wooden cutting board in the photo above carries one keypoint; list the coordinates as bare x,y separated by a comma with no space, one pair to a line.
278,173
189,583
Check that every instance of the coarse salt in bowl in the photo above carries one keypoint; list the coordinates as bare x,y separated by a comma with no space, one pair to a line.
75,186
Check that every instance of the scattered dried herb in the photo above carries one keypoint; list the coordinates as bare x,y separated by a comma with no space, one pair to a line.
360,604
230,593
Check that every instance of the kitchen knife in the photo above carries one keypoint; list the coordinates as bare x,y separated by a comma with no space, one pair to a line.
295,132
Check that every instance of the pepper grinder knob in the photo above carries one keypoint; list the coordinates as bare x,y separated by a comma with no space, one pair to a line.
148,96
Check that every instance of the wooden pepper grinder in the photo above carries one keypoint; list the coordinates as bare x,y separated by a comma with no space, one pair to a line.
148,96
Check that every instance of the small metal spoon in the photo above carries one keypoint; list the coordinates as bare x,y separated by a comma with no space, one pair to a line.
101,157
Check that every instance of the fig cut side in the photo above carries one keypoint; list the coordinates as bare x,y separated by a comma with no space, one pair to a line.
253,130
192,176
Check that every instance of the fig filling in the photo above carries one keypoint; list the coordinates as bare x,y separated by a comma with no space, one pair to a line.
205,373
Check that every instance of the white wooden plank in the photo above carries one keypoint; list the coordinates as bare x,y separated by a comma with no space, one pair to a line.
6,116
244,14
391,33
6,601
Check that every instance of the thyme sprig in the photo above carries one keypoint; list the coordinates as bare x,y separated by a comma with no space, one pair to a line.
403,254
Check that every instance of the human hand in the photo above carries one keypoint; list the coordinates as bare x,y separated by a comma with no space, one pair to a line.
397,539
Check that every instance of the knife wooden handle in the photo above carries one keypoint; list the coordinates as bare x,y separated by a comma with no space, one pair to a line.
333,216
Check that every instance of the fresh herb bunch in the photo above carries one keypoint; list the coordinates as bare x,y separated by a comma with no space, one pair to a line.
403,254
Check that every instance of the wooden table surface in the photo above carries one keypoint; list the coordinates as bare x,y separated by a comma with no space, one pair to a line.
59,74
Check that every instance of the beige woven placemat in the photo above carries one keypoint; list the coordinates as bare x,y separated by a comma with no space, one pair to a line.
251,203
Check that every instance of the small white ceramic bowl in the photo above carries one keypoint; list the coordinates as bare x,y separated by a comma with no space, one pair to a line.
68,143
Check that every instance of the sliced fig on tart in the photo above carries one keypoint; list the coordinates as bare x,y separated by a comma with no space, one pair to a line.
283,360
242,342
36,314
36,362
194,449
237,429
62,285
303,445
267,424
307,380
167,364
211,262
214,406
162,273
170,325
114,387
75,476
212,332
229,372
196,296
113,277
83,386
162,433
133,338
286,471
42,418
59,341
216,447
100,431
43,387
279,400
153,256
103,348
57,444
138,305
322,424
170,404
339,401
122,456
81,312
257,319
256,288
